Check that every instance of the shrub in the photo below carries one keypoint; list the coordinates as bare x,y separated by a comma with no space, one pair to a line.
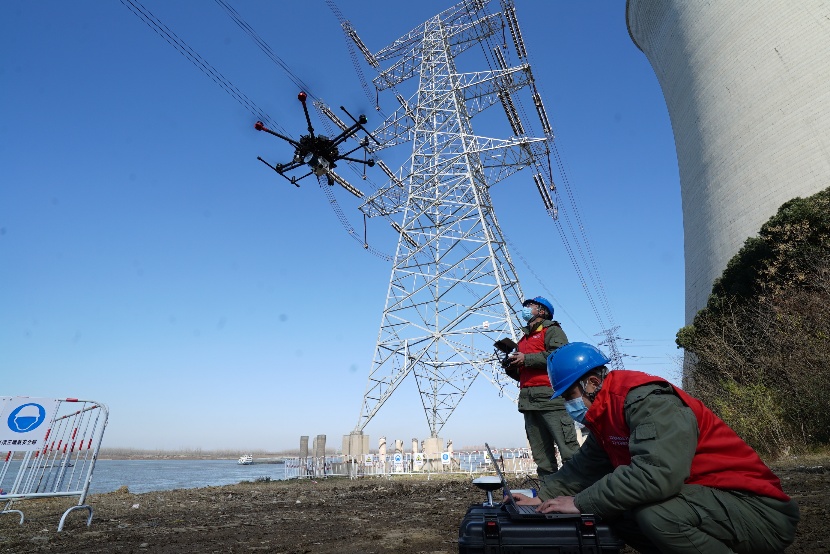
759,344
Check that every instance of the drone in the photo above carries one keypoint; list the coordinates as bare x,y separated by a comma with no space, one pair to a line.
319,152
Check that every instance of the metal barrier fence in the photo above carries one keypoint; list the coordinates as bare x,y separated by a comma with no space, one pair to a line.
516,461
51,446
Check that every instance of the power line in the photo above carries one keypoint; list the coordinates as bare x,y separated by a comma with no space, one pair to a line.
519,255
302,85
355,62
171,38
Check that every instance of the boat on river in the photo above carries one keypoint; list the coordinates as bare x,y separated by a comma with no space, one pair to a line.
245,460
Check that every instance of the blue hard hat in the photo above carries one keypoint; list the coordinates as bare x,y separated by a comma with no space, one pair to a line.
571,361
542,301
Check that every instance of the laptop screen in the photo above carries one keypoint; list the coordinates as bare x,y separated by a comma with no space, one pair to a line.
505,488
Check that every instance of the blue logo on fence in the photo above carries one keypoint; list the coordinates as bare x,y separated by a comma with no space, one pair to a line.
27,417
398,458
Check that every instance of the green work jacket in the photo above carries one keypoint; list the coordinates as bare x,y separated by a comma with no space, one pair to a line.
657,466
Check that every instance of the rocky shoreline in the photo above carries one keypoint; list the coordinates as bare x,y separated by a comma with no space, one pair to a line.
373,515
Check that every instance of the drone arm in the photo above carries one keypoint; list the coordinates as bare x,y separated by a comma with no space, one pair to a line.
260,127
361,119
355,149
345,134
301,97
370,162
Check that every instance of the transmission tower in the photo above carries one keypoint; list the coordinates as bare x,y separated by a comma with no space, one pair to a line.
610,341
453,290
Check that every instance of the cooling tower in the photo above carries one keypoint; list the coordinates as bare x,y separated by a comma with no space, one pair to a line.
747,86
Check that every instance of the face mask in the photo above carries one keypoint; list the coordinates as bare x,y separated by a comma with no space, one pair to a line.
527,313
576,409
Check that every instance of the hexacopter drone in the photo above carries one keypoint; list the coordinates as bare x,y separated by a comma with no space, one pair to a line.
319,152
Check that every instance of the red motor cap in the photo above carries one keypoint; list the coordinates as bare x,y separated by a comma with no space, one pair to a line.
302,96
259,126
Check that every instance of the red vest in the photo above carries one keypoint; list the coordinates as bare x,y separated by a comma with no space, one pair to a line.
722,459
533,343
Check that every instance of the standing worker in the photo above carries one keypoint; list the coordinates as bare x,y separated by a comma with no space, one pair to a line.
546,421
660,467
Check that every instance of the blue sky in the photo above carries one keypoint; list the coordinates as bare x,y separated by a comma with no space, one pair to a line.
149,261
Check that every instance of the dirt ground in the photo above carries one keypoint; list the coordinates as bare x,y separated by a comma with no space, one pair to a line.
402,515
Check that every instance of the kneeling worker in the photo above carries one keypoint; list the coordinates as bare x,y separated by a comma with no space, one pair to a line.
664,471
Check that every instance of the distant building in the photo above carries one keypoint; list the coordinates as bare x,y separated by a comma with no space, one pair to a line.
747,86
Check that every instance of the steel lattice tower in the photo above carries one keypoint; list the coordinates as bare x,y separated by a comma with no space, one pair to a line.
453,290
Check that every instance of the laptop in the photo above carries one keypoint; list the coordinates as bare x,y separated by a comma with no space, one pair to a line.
517,511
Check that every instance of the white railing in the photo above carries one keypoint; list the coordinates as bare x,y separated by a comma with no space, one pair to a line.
516,461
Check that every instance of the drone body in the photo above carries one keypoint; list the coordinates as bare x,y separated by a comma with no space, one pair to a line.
318,152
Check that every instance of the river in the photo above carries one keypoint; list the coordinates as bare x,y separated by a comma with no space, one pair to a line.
157,475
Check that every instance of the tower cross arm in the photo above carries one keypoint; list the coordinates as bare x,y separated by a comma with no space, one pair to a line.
460,37
502,158
395,129
388,200
485,88
450,16
480,83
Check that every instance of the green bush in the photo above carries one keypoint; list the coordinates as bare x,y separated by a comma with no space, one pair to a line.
757,349
754,413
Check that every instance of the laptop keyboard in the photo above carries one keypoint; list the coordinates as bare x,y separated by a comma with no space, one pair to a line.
525,509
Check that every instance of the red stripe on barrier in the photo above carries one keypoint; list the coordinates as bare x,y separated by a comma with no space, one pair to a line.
89,444
9,455
46,438
73,447
71,400
59,444
64,447
74,432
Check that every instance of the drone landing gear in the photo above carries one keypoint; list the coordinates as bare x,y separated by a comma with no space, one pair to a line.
292,180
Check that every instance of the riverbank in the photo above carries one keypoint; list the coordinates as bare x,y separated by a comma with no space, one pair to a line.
194,454
405,515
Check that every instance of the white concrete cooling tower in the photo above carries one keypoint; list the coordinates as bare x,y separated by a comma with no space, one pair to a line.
747,86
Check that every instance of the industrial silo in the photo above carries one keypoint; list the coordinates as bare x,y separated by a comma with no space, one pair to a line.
747,86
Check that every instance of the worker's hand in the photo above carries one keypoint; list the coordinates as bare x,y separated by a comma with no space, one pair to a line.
517,359
525,500
560,505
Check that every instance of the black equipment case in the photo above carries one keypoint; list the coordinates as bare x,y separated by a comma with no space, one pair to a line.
490,530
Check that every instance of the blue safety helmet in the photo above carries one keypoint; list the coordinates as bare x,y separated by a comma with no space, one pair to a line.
568,363
542,301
